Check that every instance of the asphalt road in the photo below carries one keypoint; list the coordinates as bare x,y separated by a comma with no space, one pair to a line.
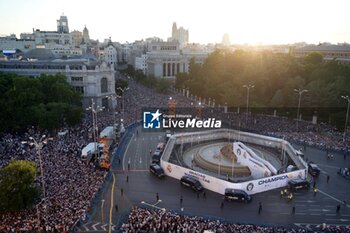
139,186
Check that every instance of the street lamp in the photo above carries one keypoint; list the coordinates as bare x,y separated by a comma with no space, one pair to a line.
102,202
123,90
92,108
347,115
98,109
249,86
113,97
38,147
300,92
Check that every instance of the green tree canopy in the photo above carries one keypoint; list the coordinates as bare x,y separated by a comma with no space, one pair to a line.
17,190
48,102
275,77
314,58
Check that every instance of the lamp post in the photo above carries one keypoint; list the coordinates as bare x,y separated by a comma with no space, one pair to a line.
300,92
347,115
123,90
94,111
102,202
248,86
98,109
113,97
38,147
92,108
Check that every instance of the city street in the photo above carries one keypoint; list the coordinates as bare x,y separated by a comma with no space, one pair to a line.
138,185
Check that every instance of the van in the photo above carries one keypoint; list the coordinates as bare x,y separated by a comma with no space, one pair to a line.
191,183
156,170
237,195
313,169
298,184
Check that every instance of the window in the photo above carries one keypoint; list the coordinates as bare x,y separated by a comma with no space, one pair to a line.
77,79
164,69
79,89
104,85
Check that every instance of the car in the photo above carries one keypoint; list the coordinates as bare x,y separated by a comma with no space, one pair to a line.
156,170
237,195
298,184
156,157
344,172
192,183
313,169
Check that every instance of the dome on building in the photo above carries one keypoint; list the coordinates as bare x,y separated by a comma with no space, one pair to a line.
39,53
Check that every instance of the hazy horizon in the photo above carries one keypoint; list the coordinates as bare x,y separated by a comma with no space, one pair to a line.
247,22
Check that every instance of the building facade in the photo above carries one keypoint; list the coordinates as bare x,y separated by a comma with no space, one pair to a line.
77,38
62,24
12,43
86,36
141,63
61,42
110,55
93,80
179,34
340,52
166,60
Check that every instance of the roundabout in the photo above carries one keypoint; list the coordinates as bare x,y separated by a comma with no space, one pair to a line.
226,158
140,186
218,159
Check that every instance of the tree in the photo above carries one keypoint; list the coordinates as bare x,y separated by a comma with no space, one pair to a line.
181,79
162,86
314,58
275,77
278,100
48,101
17,190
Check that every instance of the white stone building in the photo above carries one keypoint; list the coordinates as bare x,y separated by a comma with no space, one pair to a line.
12,43
94,80
62,24
61,42
86,36
110,55
165,59
179,34
77,38
141,63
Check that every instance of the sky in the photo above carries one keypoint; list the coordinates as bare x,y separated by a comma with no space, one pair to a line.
246,21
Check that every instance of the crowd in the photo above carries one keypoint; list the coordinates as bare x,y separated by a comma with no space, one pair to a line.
321,135
71,184
147,220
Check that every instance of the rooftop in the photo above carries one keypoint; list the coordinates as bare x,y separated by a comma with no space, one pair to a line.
322,47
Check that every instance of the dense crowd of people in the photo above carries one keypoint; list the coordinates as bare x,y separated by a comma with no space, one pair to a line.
72,184
158,220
